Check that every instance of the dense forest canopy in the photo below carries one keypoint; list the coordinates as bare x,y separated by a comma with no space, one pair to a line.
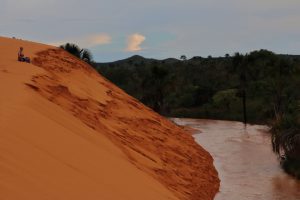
209,87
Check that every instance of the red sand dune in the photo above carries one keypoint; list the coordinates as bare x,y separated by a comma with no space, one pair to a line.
68,133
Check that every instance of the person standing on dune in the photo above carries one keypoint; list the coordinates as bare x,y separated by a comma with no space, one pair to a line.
21,56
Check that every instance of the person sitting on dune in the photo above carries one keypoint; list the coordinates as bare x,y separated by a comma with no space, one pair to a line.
21,56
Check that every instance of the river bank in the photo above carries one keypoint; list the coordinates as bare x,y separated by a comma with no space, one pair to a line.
243,157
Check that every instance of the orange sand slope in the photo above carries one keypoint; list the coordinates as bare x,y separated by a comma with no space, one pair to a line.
68,133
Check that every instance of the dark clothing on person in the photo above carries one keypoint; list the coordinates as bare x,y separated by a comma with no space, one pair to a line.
21,56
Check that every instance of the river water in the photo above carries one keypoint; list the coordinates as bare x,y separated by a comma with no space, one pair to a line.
243,157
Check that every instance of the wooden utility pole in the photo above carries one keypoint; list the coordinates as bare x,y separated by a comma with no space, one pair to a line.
244,81
240,65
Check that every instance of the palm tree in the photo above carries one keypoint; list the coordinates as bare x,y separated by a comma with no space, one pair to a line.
72,49
86,55
286,142
83,54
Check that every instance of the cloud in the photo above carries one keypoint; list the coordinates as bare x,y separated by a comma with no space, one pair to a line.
86,41
99,39
134,42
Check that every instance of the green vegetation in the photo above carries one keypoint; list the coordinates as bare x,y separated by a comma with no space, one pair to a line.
191,88
83,54
260,87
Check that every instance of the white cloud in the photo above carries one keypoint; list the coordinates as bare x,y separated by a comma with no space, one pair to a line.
134,42
86,41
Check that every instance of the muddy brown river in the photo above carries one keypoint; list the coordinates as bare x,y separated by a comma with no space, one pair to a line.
243,157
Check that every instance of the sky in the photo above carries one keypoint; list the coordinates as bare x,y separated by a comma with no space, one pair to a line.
117,29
